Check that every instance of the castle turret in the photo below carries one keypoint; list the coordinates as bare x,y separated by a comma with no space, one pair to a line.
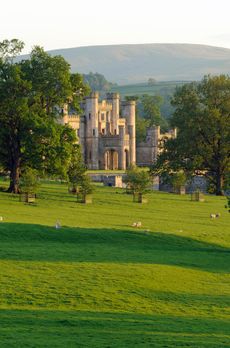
121,157
129,112
91,119
114,99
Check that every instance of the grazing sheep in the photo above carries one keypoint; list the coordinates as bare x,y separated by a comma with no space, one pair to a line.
215,216
137,224
57,225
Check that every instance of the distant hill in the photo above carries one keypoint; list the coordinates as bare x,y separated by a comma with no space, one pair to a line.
127,64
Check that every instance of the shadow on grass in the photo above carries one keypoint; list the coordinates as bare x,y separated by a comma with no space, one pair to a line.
25,328
45,243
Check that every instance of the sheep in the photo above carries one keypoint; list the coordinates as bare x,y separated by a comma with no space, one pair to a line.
212,216
137,224
215,216
57,225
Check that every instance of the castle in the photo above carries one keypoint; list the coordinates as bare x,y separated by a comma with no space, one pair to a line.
107,134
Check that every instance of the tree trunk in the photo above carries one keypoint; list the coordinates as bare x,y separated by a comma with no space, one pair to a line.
14,166
219,185
14,178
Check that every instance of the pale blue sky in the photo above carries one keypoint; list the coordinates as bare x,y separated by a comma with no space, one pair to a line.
71,23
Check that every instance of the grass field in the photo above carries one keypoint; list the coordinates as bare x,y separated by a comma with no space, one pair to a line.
143,88
98,282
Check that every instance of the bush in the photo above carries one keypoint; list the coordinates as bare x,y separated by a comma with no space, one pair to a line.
137,180
28,182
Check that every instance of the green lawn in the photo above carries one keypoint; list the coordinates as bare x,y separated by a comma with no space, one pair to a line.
98,282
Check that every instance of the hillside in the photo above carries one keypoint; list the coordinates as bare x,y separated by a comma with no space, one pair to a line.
127,64
164,89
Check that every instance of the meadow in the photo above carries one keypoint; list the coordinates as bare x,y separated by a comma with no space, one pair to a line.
98,282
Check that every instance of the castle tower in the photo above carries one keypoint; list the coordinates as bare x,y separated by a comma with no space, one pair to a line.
129,112
114,99
121,155
91,134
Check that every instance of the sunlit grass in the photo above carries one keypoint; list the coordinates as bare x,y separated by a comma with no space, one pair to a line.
98,282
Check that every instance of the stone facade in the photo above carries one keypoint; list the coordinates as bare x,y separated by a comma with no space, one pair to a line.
107,134
147,151
106,131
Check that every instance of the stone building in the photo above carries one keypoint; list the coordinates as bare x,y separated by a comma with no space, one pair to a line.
147,151
107,134
106,131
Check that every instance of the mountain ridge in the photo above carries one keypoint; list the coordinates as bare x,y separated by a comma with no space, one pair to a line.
136,63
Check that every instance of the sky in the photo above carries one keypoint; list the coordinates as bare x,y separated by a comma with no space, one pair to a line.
56,24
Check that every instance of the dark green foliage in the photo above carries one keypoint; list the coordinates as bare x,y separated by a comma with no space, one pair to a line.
202,116
141,128
32,92
97,82
86,186
147,114
150,108
137,180
76,169
9,49
28,182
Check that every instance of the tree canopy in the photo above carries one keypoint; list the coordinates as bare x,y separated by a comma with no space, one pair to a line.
97,82
32,92
202,117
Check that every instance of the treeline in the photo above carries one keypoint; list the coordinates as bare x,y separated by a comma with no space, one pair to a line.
97,82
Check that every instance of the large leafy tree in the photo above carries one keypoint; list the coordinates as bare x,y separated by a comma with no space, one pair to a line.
31,95
150,109
202,117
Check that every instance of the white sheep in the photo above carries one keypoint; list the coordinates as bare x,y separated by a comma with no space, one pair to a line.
215,216
57,225
137,224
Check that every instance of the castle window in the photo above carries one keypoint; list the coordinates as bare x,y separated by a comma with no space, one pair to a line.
102,117
90,155
103,130
89,115
115,131
93,131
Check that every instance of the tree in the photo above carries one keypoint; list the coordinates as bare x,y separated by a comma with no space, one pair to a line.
177,181
150,108
76,169
97,82
137,180
202,117
152,82
86,186
31,94
141,128
28,182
